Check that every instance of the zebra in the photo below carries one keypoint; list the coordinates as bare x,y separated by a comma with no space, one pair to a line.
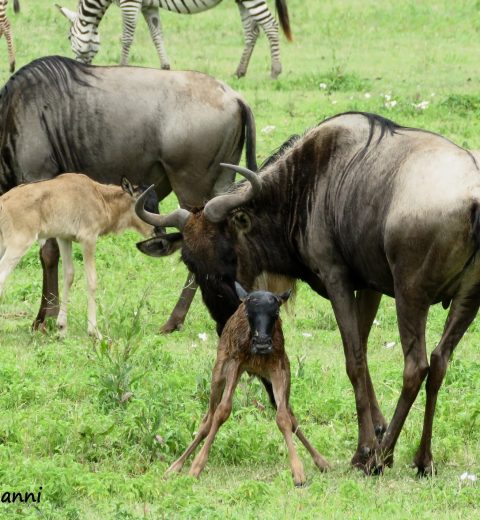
6,29
85,40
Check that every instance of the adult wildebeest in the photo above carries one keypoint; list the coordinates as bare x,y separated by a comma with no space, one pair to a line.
252,341
357,204
167,128
70,207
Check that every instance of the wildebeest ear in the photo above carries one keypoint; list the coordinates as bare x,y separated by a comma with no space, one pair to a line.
242,221
241,292
162,245
127,186
284,296
70,15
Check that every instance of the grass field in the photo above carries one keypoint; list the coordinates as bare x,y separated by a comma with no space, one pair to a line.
69,423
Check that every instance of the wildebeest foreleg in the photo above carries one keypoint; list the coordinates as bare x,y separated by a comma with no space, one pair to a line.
221,414
177,317
49,256
412,318
216,391
342,297
367,307
462,313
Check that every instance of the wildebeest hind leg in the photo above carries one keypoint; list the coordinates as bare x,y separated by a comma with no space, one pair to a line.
49,256
367,307
177,317
462,313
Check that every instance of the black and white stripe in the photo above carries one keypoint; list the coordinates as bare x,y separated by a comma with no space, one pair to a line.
6,29
254,14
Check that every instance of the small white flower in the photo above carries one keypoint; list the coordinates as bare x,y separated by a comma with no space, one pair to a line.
203,336
306,334
268,129
368,95
323,86
422,105
389,344
468,476
390,104
376,323
432,94
334,101
387,97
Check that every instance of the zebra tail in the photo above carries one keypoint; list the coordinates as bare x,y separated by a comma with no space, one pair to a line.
251,136
281,6
16,6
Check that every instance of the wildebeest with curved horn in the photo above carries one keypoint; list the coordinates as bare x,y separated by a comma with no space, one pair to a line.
357,207
168,128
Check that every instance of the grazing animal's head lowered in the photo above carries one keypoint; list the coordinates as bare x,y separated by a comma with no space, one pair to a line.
83,34
262,309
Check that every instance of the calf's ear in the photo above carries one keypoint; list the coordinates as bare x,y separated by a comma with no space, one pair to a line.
241,292
127,186
163,245
284,296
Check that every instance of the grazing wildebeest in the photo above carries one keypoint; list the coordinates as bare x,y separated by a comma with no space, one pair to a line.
252,341
357,207
6,29
167,128
85,40
70,207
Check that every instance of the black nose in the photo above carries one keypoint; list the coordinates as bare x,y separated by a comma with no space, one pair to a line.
262,346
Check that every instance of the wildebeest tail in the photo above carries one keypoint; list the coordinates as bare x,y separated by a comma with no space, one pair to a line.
282,10
475,220
16,6
250,136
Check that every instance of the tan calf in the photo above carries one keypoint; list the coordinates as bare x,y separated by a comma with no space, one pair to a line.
70,207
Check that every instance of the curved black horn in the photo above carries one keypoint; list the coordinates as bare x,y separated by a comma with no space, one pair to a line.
219,207
175,219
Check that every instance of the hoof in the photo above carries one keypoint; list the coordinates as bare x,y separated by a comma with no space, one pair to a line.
366,460
276,71
322,464
240,73
174,468
425,469
300,484
171,326
12,67
166,67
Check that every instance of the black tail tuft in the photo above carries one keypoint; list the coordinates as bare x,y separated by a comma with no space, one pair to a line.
282,10
251,136
16,6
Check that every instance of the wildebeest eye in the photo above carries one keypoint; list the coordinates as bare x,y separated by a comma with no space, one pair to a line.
242,221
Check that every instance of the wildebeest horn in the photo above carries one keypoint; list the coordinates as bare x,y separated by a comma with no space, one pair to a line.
218,208
175,219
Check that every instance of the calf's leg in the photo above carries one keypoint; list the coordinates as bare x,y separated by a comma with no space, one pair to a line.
91,275
12,255
49,256
285,424
216,391
65,247
177,317
219,417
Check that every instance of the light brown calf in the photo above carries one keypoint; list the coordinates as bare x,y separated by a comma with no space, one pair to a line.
252,341
70,207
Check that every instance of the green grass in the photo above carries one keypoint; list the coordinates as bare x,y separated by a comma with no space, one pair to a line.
96,425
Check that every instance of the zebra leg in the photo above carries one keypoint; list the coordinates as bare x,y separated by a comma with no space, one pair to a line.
251,32
262,16
130,10
152,17
8,36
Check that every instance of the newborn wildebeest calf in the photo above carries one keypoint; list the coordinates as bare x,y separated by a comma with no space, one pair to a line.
69,207
252,341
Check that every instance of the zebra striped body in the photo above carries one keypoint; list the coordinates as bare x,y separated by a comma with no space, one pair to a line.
6,29
85,39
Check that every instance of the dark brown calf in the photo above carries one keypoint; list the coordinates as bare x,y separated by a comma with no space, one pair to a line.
252,341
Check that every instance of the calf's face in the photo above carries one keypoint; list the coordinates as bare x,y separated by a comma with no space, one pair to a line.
263,309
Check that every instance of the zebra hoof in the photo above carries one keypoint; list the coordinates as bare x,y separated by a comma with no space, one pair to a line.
12,67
